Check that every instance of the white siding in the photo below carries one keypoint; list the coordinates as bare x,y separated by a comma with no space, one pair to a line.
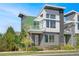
47,44
76,25
73,18
43,21
57,29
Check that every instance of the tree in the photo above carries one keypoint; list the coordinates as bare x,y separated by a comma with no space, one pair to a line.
23,34
26,42
9,37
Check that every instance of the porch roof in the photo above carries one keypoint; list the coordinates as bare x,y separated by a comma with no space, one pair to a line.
35,31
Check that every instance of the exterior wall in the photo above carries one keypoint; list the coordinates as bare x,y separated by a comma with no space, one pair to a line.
61,37
72,40
56,12
73,29
73,18
42,20
47,44
57,29
70,18
76,24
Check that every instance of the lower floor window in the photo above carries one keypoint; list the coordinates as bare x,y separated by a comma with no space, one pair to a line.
49,38
78,26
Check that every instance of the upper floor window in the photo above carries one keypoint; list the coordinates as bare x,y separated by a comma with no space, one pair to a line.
50,23
78,17
51,16
47,15
36,24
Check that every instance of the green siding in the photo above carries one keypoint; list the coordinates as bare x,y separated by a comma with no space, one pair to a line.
27,22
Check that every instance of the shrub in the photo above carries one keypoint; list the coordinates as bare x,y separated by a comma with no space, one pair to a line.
77,47
33,48
68,47
53,47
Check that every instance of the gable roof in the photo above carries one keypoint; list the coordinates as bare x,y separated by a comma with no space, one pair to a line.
70,13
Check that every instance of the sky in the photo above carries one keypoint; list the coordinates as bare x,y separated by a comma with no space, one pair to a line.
9,13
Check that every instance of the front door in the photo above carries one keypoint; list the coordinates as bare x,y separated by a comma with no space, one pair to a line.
36,39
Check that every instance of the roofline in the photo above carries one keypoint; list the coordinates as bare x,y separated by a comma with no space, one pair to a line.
70,12
25,15
21,15
53,6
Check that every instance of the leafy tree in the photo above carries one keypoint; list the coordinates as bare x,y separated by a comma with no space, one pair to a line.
9,37
2,43
23,34
26,42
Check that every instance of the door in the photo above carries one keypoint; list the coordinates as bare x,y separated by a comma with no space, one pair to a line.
36,39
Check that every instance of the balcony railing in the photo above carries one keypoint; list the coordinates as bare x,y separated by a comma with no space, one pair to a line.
35,27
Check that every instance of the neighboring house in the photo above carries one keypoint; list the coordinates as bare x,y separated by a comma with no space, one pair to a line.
48,27
71,26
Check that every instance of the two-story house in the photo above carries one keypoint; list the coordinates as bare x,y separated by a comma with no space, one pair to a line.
71,27
48,27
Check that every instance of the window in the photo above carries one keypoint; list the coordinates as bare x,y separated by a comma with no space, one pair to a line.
36,24
47,23
52,16
49,38
50,23
78,17
47,15
78,26
46,38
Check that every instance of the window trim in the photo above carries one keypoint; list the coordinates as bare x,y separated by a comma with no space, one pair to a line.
47,37
78,25
49,16
51,23
36,24
78,18
52,16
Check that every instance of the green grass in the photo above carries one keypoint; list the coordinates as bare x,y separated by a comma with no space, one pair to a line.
23,53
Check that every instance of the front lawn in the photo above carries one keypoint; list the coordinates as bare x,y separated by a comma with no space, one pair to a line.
23,53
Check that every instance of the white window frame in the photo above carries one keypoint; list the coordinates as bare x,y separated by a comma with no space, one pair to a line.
52,40
49,25
49,16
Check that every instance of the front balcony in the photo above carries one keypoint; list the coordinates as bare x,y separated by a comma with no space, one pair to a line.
67,32
35,29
